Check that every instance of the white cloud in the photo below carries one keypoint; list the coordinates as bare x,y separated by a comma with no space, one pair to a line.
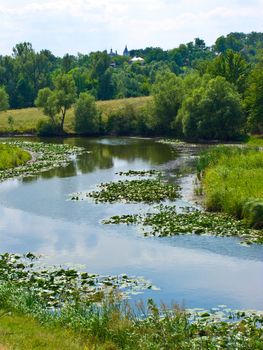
86,25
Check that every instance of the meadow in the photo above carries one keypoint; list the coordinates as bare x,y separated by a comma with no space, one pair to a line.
25,120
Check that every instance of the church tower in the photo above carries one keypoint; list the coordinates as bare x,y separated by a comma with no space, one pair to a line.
126,52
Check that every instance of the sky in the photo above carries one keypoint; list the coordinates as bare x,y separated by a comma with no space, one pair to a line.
72,26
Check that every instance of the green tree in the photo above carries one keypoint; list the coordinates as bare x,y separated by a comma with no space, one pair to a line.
87,119
168,93
57,102
213,111
231,66
4,100
254,98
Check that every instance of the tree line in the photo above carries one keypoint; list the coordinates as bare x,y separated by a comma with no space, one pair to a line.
198,91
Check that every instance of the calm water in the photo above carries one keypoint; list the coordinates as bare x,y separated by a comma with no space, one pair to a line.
36,215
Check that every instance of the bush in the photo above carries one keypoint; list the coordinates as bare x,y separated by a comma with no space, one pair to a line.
47,128
253,213
124,121
213,111
87,118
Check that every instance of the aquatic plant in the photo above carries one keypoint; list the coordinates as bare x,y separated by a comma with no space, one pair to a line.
167,222
147,191
45,157
57,286
151,172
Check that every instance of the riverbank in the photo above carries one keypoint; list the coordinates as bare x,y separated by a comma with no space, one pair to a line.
25,120
232,179
41,308
12,156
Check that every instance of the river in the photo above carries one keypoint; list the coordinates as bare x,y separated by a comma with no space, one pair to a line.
37,215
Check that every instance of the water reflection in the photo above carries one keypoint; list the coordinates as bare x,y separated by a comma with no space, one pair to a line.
35,215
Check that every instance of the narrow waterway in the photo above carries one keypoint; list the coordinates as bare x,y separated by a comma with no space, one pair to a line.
36,215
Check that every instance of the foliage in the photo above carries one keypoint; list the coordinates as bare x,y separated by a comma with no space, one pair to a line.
212,112
59,100
47,128
87,118
125,121
116,325
59,286
233,67
147,190
167,222
168,94
4,103
254,98
47,156
12,156
233,180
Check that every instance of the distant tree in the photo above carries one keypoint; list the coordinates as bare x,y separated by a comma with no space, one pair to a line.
4,100
254,98
213,111
55,103
168,94
87,119
231,66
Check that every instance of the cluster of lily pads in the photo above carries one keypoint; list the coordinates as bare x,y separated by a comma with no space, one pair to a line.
57,286
167,222
146,191
152,172
44,157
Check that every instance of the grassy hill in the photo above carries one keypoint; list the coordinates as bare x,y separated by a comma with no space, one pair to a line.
25,120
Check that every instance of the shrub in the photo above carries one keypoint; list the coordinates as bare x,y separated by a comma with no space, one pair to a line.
47,128
253,213
87,118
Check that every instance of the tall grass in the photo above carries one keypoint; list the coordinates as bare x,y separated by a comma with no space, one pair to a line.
233,178
11,156
256,140
114,325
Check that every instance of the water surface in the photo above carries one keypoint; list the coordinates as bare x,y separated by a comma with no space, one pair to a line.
36,215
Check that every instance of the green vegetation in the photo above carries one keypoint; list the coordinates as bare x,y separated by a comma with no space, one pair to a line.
12,156
232,182
47,156
147,191
224,120
151,172
198,92
87,118
25,333
57,102
113,324
254,98
255,141
25,121
167,222
4,103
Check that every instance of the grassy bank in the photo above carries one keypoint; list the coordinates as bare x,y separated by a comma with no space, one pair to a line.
25,333
256,140
232,182
56,309
25,120
12,156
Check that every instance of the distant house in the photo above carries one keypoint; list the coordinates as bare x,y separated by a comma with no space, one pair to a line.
136,59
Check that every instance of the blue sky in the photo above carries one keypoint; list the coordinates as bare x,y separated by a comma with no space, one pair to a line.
89,25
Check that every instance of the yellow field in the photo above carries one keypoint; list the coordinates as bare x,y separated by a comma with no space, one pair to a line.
25,120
